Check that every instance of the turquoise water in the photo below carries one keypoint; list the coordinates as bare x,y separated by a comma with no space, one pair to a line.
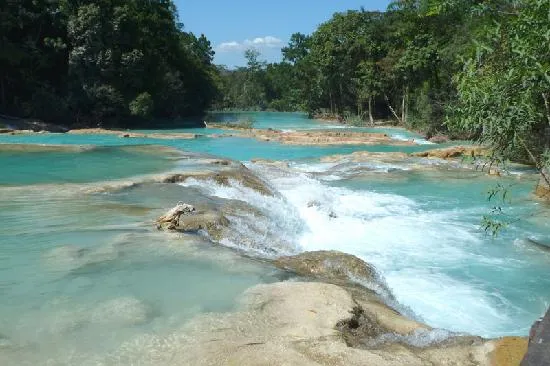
83,166
83,271
231,147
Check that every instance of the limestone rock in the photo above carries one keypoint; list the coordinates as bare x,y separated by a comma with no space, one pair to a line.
328,265
171,219
292,323
452,152
240,174
185,218
322,138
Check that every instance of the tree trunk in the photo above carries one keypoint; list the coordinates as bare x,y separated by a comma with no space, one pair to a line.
330,98
404,104
392,110
371,120
3,94
341,97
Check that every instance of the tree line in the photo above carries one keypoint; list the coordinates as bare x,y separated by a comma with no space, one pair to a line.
101,62
468,68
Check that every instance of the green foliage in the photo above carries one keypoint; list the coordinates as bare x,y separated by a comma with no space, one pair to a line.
101,62
142,106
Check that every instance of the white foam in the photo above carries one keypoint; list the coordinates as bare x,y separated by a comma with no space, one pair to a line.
419,141
423,253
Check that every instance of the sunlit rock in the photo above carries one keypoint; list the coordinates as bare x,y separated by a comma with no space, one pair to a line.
328,265
453,152
299,323
171,219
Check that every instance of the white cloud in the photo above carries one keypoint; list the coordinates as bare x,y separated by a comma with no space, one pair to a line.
229,46
258,42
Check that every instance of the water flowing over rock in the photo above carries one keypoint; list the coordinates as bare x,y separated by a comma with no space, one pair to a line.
223,177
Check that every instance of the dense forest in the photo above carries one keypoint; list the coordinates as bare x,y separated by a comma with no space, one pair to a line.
101,63
465,68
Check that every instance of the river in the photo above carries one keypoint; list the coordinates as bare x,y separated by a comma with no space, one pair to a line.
84,272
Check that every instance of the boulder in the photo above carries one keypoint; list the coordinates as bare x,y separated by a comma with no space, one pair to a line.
332,266
171,219
452,152
538,351
185,218
239,174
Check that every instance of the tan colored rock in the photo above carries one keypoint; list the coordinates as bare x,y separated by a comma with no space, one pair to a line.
274,163
355,275
508,351
366,156
223,177
291,323
325,138
185,218
214,223
171,219
328,265
453,152
128,134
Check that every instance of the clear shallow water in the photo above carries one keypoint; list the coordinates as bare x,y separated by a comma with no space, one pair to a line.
77,166
81,273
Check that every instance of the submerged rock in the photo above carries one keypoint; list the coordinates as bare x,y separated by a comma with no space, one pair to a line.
70,258
120,311
333,266
294,323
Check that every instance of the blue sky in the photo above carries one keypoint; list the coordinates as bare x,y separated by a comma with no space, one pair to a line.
234,25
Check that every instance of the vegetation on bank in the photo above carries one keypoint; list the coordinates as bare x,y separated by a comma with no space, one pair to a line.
101,63
463,68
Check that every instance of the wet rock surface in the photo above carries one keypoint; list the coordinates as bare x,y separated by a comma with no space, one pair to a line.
333,266
294,323
538,352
